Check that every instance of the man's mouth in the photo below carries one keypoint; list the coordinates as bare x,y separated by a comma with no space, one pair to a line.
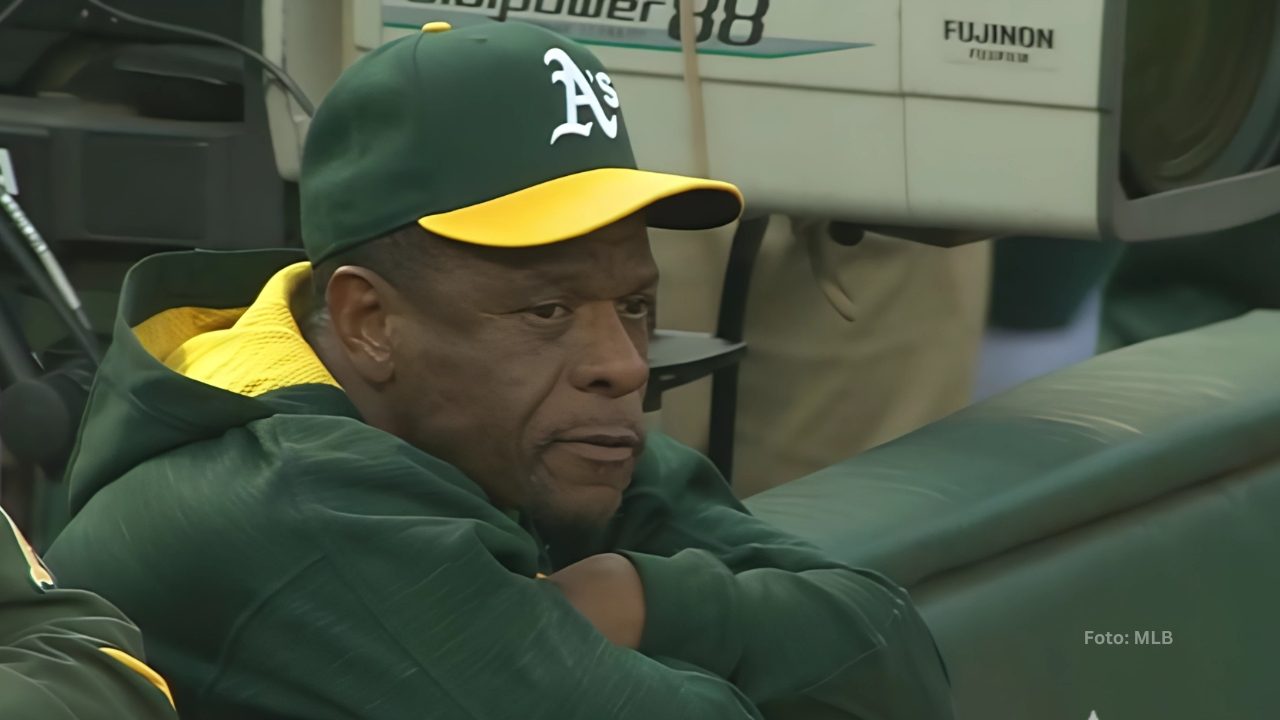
605,445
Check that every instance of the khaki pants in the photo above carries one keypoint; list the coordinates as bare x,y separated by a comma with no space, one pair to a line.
814,388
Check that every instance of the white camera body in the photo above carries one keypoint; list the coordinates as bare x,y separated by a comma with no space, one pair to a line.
997,116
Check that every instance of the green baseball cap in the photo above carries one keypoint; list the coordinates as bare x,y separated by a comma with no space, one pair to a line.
499,134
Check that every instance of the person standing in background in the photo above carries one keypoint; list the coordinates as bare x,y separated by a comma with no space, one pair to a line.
815,389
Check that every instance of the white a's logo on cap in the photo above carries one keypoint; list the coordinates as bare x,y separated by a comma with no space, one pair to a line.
579,92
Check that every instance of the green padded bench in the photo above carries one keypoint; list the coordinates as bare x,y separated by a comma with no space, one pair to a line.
1136,494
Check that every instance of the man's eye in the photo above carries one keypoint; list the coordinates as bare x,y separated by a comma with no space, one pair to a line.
550,311
635,308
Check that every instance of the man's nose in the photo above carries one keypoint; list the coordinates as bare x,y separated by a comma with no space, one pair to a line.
612,359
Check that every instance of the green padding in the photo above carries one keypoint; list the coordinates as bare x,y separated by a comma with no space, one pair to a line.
1096,439
1137,492
1198,564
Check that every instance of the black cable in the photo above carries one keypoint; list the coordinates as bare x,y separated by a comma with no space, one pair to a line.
18,250
16,361
52,268
276,71
4,15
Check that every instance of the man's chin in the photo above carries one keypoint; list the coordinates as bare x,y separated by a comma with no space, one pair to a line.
577,513
587,509
579,496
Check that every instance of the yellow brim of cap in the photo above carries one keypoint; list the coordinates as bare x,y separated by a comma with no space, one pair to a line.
574,205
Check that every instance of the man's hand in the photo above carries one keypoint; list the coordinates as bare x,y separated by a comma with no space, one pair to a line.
606,589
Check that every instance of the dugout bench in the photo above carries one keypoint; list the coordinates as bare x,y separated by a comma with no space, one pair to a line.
1134,494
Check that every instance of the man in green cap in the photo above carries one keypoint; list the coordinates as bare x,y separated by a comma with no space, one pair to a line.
66,654
407,476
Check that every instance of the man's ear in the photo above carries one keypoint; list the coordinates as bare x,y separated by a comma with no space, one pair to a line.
359,303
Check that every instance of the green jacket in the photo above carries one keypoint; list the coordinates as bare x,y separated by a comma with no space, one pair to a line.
286,560
66,654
